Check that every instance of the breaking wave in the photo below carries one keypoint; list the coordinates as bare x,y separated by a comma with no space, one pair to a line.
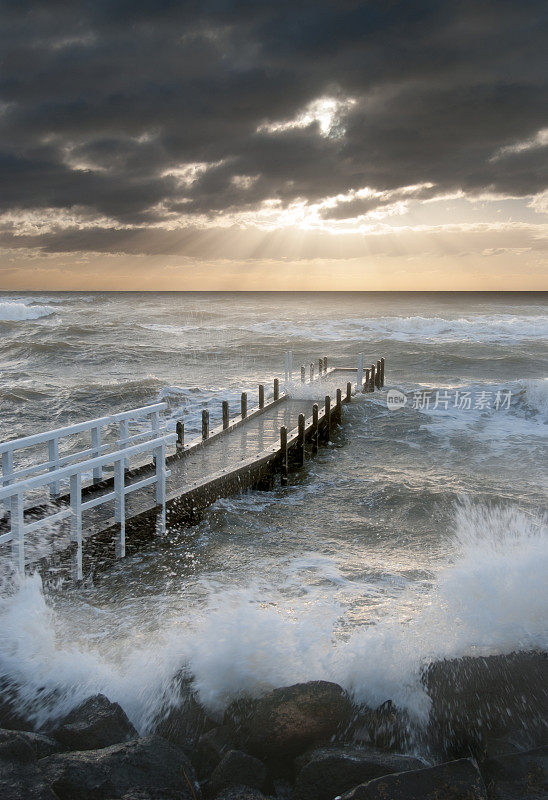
16,311
489,599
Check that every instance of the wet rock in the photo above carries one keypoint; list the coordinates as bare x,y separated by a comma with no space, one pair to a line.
455,780
477,698
237,769
241,793
517,774
152,794
287,721
210,749
148,763
386,726
94,724
25,746
330,771
11,717
24,781
183,722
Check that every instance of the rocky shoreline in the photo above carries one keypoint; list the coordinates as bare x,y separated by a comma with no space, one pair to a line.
485,740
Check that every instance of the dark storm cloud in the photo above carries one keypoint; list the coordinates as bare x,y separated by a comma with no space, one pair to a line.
100,101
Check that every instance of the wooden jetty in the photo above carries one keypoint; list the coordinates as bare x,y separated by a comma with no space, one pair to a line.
89,518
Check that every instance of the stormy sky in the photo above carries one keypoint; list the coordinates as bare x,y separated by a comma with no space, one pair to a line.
252,144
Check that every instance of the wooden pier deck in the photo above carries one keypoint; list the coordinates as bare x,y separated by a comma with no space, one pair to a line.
248,450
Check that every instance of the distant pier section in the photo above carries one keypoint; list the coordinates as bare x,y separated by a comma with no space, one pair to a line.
76,498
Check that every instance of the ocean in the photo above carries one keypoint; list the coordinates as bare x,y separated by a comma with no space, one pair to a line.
419,533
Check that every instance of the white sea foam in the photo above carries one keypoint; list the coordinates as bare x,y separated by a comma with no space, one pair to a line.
490,598
499,328
18,311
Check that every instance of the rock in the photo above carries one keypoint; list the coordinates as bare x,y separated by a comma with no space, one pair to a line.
237,769
455,780
287,721
184,722
94,724
152,794
477,698
240,793
510,773
330,771
11,717
148,763
25,746
210,749
23,782
387,727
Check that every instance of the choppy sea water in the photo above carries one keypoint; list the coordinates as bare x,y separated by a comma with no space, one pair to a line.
418,534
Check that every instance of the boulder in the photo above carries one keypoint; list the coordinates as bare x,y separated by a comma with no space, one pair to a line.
210,749
477,698
289,720
24,781
241,793
25,746
183,722
386,726
152,794
93,724
11,716
237,769
330,771
455,780
516,774
148,763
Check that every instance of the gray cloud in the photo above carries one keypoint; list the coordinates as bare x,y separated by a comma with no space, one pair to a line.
100,102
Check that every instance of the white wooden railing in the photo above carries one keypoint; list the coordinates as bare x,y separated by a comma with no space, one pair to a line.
15,494
95,427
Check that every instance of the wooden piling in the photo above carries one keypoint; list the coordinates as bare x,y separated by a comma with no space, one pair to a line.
311,371
315,428
276,389
339,406
180,428
365,387
328,416
303,371
205,424
373,379
382,371
325,363
244,405
301,442
378,381
320,367
348,392
226,419
283,449
261,395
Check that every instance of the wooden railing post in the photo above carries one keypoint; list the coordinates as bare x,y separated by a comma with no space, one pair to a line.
359,373
276,389
261,395
244,405
205,424
348,392
315,428
76,522
367,379
180,428
373,378
339,405
120,508
96,445
53,457
301,440
283,449
328,416
379,384
17,525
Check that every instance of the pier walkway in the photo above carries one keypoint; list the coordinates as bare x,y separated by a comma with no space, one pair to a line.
87,508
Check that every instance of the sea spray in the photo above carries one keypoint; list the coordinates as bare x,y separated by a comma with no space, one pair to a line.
489,599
